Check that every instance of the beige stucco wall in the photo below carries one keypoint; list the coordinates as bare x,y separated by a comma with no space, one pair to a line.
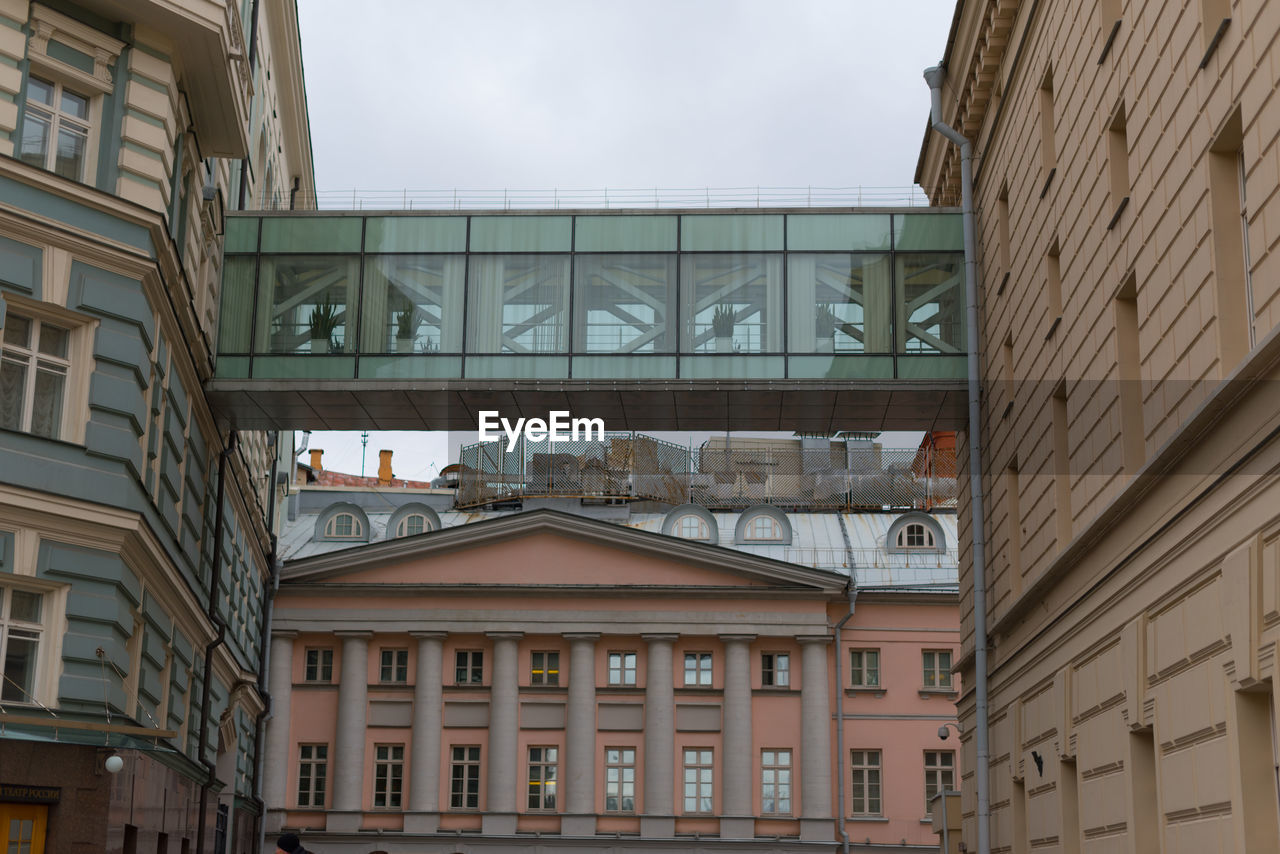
1132,600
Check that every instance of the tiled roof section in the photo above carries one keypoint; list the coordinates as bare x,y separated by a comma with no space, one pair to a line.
337,478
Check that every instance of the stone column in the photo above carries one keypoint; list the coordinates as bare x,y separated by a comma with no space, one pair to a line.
424,755
737,754
815,742
279,758
658,818
347,810
578,782
504,713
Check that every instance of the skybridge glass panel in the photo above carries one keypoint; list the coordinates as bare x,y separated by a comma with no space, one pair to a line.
731,233
521,233
310,303
311,234
625,233
932,232
839,232
518,304
415,234
412,304
242,234
732,303
830,298
930,312
622,303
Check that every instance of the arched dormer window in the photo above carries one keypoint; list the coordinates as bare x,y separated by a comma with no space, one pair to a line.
344,526
914,533
915,536
411,520
342,523
763,524
691,522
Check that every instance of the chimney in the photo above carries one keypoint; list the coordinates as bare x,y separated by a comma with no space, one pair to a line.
384,468
316,454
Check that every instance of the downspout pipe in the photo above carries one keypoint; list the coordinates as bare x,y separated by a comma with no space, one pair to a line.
852,591
935,76
211,768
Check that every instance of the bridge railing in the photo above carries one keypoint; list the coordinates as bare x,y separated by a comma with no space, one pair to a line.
635,467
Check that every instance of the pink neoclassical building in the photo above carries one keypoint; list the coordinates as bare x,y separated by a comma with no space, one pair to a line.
545,680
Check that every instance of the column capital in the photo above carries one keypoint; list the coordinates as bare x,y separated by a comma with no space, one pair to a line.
669,637
581,636
429,635
812,639
358,634
737,637
504,635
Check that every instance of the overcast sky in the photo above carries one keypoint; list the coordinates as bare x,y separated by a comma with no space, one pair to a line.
490,94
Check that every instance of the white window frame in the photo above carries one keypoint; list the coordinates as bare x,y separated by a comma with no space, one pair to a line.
331,527
393,660
939,777
936,675
777,667
755,534
776,781
460,757
546,778
80,331
702,672
402,528
863,764
870,663
58,121
544,667
314,758
474,659
388,766
703,530
618,785
42,685
928,543
321,664
621,674
698,786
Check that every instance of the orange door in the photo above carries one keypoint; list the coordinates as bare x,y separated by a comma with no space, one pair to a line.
22,828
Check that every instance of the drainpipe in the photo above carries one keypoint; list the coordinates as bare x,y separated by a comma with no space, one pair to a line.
852,591
264,654
934,77
211,768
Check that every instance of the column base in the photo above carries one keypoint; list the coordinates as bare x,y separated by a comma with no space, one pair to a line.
737,827
274,821
421,822
657,826
343,822
578,825
498,824
817,829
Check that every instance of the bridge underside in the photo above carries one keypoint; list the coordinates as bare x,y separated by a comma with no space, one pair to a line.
784,405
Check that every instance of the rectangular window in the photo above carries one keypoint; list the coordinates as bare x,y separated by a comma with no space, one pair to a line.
866,781
34,363
319,665
388,774
864,668
464,778
1013,521
939,774
1048,148
312,770
1062,466
937,668
469,667
542,778
697,669
775,669
1006,354
1118,162
1053,286
545,669
1129,370
1002,228
775,782
622,668
698,769
1228,219
55,129
619,779
21,628
1215,15
395,666
1109,24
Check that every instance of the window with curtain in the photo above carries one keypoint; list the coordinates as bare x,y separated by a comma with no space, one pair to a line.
731,303
518,304
839,303
931,303
412,304
624,303
308,303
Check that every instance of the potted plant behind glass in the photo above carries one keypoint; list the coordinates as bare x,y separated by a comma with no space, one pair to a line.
824,328
324,319
406,330
722,326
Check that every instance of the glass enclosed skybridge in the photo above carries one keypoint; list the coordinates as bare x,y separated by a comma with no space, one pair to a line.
802,319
